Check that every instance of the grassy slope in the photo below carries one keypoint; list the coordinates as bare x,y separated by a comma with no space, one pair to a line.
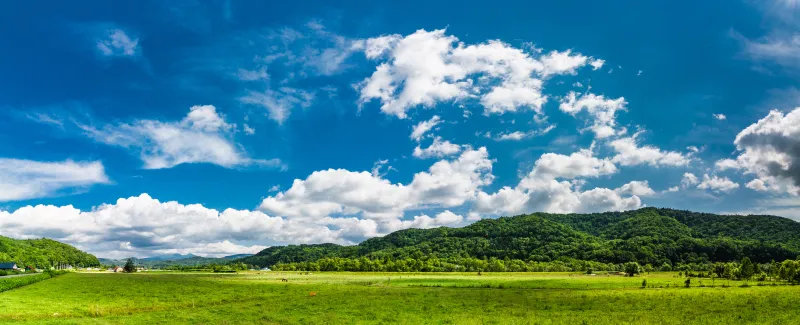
366,298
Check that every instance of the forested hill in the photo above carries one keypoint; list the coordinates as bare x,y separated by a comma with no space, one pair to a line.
648,236
43,253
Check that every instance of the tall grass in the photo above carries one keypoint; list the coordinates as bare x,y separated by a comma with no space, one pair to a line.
392,298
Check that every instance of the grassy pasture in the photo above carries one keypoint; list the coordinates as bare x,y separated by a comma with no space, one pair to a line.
407,298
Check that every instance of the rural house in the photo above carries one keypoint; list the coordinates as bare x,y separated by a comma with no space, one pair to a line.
8,266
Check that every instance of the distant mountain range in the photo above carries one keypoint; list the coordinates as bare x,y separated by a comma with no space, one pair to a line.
648,236
169,257
174,259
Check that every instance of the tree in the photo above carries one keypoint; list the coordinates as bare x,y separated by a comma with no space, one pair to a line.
632,268
747,269
129,266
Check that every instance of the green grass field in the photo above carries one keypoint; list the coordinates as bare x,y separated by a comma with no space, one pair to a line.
381,298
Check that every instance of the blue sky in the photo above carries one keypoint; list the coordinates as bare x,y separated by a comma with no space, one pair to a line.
222,127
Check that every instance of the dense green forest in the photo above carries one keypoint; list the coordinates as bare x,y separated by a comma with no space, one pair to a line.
660,238
43,253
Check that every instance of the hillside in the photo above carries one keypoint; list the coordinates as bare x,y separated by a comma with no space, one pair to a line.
43,253
648,236
164,261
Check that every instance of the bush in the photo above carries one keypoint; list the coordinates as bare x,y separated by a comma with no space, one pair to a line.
3,273
632,268
13,283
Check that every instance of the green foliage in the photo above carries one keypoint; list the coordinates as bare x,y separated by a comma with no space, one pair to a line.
747,269
129,266
670,238
790,271
43,253
9,283
632,268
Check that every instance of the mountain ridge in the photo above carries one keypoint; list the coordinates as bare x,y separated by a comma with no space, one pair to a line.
649,235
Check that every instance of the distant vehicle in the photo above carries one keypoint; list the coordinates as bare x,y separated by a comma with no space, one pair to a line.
8,266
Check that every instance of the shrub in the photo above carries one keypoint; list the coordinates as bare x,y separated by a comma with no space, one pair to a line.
632,268
3,273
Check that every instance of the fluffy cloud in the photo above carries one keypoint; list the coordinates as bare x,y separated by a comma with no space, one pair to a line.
597,64
541,189
447,183
717,184
445,218
423,127
770,150
602,110
638,188
428,67
202,136
713,183
117,43
629,153
26,179
578,164
689,179
437,149
726,163
720,117
142,226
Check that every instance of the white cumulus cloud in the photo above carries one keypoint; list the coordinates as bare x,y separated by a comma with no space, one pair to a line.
429,67
630,153
770,150
438,149
603,111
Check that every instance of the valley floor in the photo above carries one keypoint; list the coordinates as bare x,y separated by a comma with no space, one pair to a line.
387,298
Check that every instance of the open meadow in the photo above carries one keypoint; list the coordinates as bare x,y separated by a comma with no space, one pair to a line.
405,298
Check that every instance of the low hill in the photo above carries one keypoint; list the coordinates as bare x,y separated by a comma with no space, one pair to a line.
164,261
42,253
169,257
648,236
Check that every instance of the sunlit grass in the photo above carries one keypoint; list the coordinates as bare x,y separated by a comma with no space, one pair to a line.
408,298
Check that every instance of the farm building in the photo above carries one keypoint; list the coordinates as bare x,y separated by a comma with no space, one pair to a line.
8,266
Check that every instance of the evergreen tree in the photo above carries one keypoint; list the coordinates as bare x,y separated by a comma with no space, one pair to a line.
747,269
129,266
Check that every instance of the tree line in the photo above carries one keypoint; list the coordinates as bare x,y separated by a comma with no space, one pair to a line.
788,270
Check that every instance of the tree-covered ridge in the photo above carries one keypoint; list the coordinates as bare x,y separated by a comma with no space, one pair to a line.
651,236
43,253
